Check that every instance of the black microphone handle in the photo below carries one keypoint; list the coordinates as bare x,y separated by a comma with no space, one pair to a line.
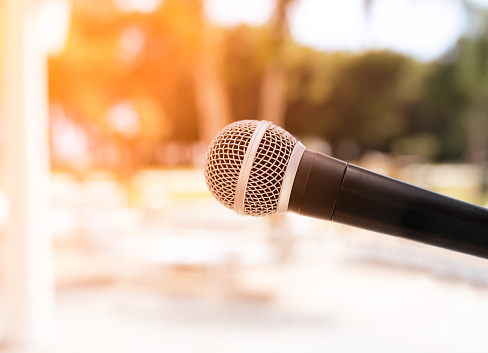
330,189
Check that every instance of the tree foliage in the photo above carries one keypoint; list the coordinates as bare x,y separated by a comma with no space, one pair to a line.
379,99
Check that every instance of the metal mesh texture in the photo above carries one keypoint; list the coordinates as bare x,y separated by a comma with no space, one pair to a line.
224,161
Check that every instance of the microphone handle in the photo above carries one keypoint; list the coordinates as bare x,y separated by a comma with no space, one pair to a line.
331,189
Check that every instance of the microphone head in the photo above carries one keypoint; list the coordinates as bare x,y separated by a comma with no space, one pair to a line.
246,164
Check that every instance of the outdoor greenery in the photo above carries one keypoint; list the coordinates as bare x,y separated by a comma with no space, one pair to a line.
378,100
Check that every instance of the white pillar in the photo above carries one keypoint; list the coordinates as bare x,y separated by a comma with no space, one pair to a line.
28,292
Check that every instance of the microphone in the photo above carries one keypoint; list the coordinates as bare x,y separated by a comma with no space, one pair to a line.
257,168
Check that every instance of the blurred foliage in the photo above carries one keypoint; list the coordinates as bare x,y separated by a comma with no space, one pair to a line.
355,98
382,100
379,99
112,57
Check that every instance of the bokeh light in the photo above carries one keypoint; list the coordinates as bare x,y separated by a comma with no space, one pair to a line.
116,237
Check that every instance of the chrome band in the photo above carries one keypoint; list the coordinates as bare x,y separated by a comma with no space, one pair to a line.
247,165
289,178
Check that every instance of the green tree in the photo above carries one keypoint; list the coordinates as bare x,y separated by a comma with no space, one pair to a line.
345,96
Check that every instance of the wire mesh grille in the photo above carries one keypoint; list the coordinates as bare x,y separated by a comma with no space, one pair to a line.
224,161
268,171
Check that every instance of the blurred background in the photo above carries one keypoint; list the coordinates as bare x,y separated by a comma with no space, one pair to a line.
109,239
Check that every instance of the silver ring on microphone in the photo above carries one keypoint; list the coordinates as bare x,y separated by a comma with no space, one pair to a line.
289,178
247,163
